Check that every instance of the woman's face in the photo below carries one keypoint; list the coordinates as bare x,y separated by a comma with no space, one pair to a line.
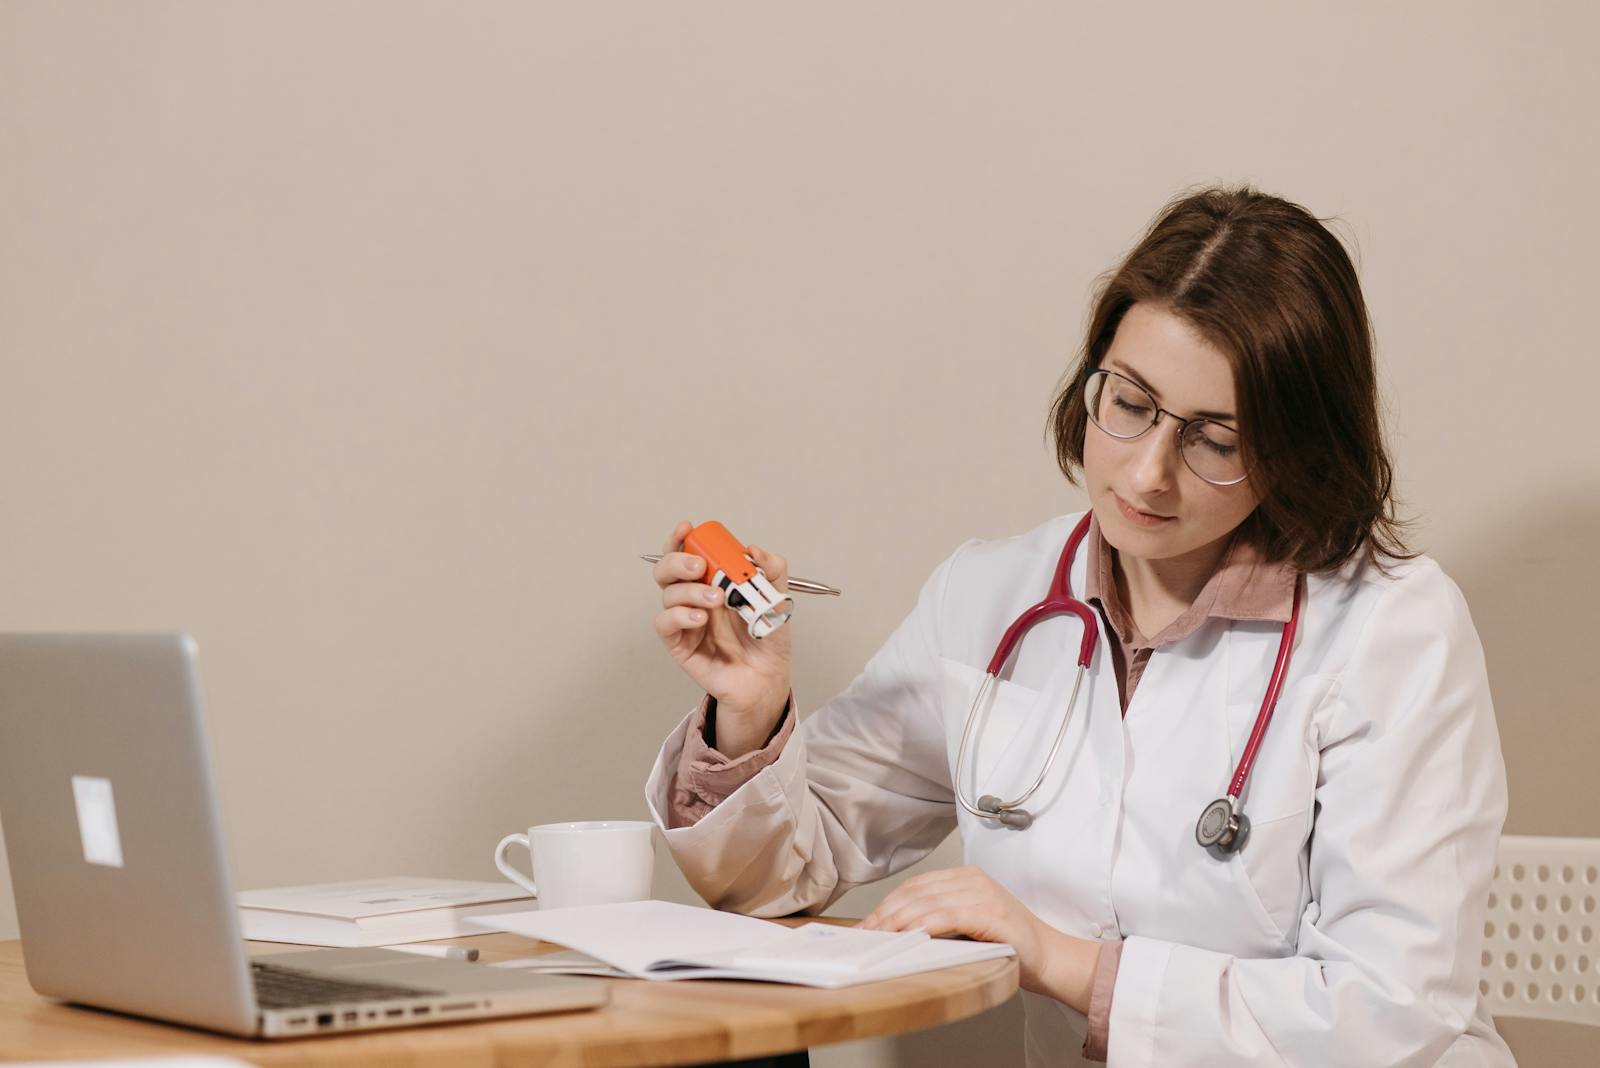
1147,501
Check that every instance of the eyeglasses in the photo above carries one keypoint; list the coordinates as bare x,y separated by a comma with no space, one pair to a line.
1125,410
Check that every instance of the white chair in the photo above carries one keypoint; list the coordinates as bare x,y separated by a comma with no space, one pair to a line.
1541,949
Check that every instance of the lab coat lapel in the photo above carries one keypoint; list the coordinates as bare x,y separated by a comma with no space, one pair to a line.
1103,703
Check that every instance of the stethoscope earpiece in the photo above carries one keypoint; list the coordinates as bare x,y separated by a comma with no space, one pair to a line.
1018,819
1221,830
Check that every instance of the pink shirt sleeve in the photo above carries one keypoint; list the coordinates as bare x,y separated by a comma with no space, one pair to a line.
1105,981
705,778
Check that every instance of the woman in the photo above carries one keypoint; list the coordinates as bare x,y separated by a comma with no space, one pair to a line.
1224,421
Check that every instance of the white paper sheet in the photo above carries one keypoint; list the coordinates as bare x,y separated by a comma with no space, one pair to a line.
660,940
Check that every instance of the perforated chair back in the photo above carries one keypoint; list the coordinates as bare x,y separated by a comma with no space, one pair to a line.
1541,949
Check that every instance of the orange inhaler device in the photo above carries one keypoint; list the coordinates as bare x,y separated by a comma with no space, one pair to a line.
745,586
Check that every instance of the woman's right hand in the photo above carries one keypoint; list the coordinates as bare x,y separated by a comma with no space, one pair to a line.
748,676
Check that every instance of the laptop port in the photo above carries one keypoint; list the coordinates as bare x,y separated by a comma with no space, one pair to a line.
394,1012
324,1019
351,1017
297,1021
421,1010
458,1006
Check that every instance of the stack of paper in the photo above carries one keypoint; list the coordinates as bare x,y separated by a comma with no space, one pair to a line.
660,940
374,912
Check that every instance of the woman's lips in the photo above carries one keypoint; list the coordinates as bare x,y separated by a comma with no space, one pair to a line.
1143,519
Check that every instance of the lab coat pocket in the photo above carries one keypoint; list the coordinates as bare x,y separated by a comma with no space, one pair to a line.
997,726
1271,871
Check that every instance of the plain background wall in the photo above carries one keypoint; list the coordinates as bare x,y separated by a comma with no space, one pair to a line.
371,343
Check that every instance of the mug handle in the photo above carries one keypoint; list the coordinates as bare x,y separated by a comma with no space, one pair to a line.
507,870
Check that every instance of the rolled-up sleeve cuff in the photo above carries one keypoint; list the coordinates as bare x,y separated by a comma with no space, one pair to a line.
705,777
1131,1021
1105,981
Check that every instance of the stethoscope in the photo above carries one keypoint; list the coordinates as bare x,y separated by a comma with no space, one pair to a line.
1222,829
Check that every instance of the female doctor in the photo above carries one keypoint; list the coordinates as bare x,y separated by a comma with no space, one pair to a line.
1259,646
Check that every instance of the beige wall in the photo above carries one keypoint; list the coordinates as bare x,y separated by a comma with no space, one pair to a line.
370,343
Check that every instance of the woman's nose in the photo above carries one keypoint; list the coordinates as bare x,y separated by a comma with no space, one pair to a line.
1155,465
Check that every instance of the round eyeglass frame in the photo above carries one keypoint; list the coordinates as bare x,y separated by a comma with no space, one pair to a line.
1155,420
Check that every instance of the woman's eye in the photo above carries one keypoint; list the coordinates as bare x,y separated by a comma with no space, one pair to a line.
1218,447
1126,406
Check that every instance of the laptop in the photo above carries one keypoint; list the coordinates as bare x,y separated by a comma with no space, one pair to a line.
123,891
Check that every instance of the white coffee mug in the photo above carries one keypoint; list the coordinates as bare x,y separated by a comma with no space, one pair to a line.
597,862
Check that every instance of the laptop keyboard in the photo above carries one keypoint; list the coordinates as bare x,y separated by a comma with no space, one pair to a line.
278,987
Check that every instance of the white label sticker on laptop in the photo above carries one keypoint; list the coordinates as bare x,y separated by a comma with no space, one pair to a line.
97,821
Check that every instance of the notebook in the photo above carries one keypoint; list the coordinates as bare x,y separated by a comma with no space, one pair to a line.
664,941
374,912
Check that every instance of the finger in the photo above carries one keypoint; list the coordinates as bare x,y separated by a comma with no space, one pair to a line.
874,920
927,882
693,594
889,906
898,920
939,877
674,565
938,918
938,922
888,916
914,910
678,567
674,621
776,567
944,877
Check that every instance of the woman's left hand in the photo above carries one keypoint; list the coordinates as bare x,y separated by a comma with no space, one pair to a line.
966,901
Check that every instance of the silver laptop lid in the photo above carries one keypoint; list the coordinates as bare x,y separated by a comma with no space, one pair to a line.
117,856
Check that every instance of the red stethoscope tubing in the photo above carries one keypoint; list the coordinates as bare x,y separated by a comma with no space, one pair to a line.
1057,601
1269,701
1060,600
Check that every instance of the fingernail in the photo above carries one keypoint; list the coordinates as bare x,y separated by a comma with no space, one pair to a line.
713,596
697,615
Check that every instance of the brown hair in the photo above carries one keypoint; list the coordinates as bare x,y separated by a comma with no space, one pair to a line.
1265,282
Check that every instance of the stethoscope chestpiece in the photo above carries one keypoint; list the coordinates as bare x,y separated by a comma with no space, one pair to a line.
1018,819
1222,831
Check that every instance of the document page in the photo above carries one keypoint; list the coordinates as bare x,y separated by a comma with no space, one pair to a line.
636,935
660,940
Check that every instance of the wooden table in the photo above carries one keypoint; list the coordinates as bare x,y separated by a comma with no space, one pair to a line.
646,1023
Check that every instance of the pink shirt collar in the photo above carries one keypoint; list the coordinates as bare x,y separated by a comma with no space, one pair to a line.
1244,587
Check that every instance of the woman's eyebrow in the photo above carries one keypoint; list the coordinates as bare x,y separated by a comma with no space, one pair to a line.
1123,369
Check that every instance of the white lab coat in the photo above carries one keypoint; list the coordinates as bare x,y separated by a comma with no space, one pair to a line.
1346,932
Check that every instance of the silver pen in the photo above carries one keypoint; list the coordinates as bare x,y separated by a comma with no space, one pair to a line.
447,952
798,585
